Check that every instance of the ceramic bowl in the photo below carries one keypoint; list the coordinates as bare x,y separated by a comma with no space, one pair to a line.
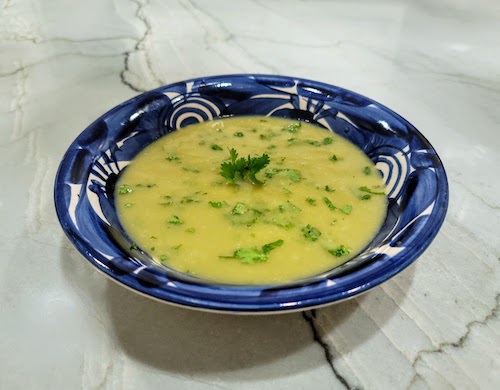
413,173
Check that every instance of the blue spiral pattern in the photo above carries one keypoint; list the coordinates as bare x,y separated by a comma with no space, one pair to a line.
414,176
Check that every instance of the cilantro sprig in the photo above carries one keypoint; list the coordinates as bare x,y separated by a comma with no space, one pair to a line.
254,255
241,167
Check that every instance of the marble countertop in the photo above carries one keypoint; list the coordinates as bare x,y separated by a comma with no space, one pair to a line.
66,326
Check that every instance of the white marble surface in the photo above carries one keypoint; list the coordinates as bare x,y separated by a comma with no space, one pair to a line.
63,325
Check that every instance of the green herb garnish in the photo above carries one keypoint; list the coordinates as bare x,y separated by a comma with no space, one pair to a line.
163,258
174,219
128,205
340,251
241,167
254,255
329,203
334,158
311,233
293,127
216,147
134,246
327,141
124,189
371,191
328,189
239,209
367,170
216,205
292,174
188,199
238,134
346,209
172,158
194,170
311,201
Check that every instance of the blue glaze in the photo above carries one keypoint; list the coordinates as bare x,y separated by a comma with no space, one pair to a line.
415,179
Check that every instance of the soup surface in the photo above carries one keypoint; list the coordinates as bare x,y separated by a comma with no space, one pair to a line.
251,200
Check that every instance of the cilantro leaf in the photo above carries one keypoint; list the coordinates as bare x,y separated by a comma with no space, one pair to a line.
241,167
340,251
174,219
329,203
124,189
272,245
254,255
293,175
346,209
371,191
311,233
311,201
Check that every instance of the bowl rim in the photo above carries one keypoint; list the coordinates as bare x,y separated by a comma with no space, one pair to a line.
366,278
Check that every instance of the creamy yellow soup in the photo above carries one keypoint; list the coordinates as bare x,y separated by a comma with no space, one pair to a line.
251,200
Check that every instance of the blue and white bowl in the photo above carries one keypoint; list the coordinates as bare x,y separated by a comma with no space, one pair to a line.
414,176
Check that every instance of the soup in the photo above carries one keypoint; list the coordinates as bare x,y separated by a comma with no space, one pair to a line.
251,200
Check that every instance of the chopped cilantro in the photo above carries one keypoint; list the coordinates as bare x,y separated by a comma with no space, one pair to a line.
190,230
254,255
153,237
334,158
327,141
128,205
238,134
292,174
293,127
174,219
239,209
371,191
176,247
272,245
188,199
124,189
328,189
216,205
163,258
367,170
134,246
194,170
168,200
172,158
328,202
267,136
287,191
340,251
284,224
216,147
346,209
243,167
152,248
311,201
311,233
365,197
314,143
